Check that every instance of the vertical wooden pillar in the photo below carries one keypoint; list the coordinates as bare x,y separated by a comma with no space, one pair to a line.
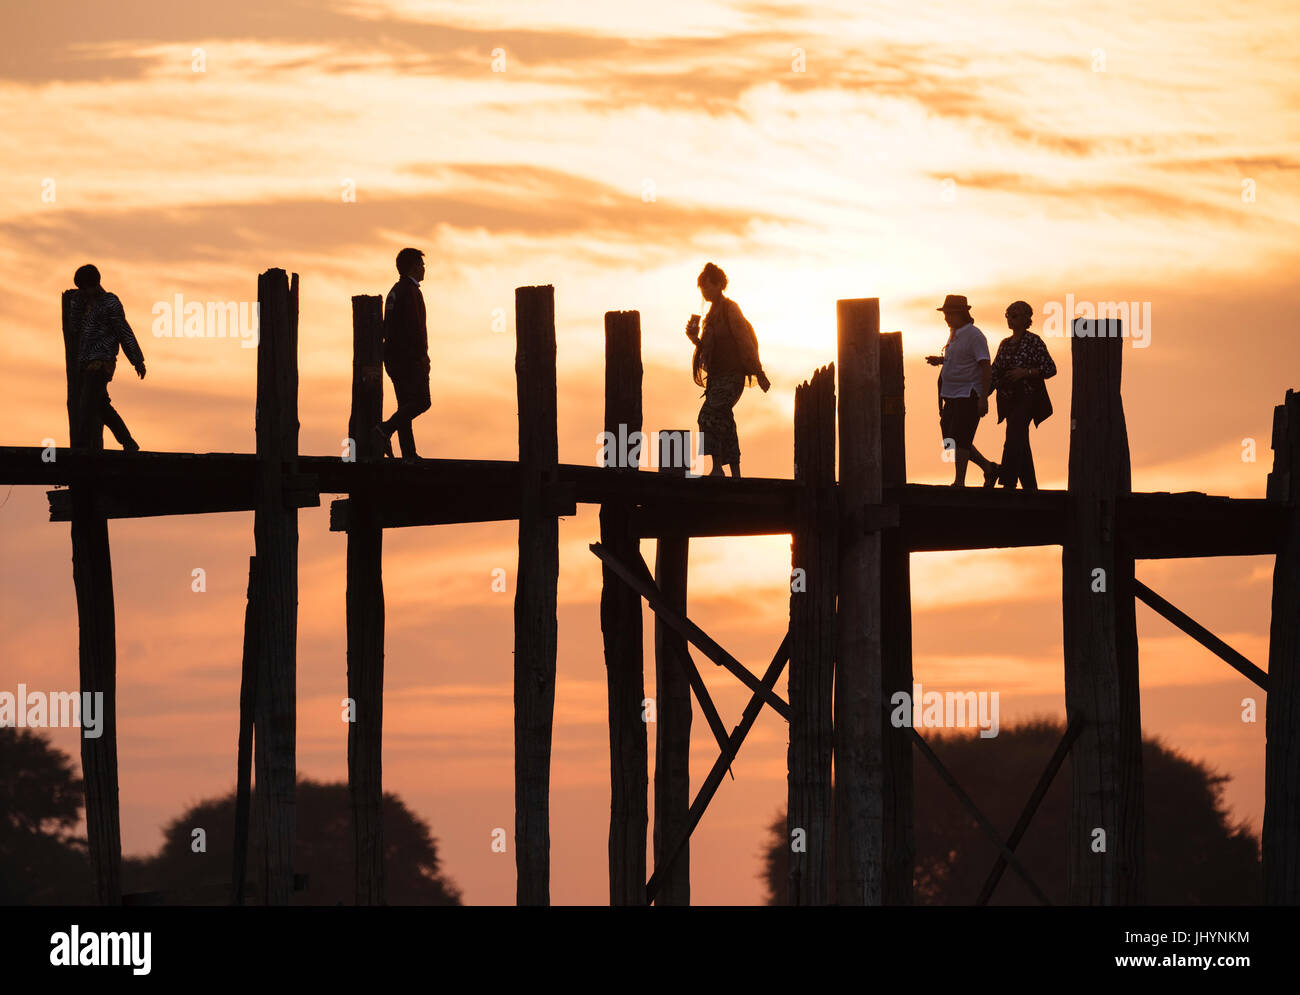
275,531
535,590
365,610
244,754
814,556
620,625
1281,838
92,578
899,841
1100,634
672,697
859,711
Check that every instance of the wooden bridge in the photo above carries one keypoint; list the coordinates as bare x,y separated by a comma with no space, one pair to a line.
848,645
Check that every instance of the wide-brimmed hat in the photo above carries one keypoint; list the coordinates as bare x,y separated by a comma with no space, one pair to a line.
954,302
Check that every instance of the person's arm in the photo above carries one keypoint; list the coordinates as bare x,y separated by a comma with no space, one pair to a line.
127,337
986,373
1046,368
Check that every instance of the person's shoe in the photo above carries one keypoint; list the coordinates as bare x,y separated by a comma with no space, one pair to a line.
991,475
130,446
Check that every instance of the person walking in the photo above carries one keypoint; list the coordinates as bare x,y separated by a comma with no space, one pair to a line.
1021,365
406,354
103,328
725,360
963,388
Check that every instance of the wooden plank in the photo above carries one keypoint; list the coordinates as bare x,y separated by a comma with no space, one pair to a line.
1167,526
980,819
720,766
535,591
365,611
898,841
1100,639
92,578
666,521
620,626
275,532
672,783
858,668
814,574
244,751
1031,806
1281,836
1201,634
635,579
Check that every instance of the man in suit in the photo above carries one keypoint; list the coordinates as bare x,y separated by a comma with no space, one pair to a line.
406,353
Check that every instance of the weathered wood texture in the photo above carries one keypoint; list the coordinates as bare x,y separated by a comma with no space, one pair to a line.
858,672
365,611
275,532
898,836
814,555
92,578
673,705
1281,842
535,591
1100,640
620,626
244,751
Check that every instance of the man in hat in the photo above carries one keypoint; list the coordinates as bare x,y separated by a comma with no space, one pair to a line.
963,388
406,354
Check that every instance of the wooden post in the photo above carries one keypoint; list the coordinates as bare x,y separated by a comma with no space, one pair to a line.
1100,634
244,754
535,590
859,710
365,610
899,841
275,530
620,625
672,697
814,555
1281,838
92,577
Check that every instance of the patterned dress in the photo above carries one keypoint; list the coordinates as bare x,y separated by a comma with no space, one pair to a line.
725,363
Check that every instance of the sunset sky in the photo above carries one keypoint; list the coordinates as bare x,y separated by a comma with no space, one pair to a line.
1011,150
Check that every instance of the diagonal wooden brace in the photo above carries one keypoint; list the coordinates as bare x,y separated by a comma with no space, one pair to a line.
722,764
687,629
978,816
1026,817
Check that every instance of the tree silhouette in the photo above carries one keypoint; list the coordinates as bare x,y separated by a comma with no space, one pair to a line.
1194,854
42,861
323,851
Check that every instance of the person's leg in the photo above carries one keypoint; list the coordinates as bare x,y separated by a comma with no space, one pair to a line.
718,424
1018,418
960,417
412,400
1028,478
114,423
92,403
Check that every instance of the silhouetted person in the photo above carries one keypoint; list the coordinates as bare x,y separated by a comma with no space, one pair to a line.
726,357
103,329
1019,369
963,387
406,353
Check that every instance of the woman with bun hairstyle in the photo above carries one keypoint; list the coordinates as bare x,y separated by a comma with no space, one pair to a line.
725,360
